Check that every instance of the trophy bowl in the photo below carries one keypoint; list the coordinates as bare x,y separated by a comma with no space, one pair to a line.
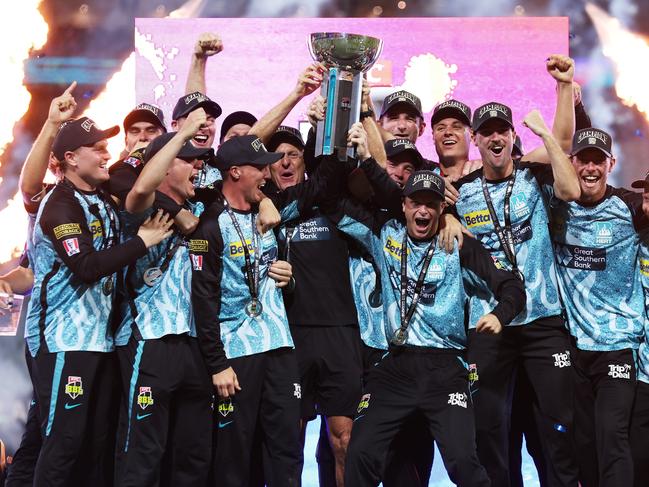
345,51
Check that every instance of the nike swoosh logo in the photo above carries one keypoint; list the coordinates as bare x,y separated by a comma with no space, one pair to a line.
358,417
72,406
142,416
223,425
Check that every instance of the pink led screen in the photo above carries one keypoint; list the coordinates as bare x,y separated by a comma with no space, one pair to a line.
475,60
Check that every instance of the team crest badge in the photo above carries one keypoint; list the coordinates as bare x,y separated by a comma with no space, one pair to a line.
145,397
74,387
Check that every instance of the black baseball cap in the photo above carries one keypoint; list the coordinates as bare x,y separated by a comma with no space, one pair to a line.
591,138
641,183
78,133
235,118
424,181
517,149
187,152
401,96
398,146
451,109
490,111
284,133
192,101
145,112
244,150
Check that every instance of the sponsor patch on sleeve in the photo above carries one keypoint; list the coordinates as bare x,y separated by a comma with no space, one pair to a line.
71,246
198,245
132,161
67,229
197,262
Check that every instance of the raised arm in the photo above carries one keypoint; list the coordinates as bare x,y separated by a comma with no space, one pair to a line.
374,138
309,81
35,167
566,184
207,45
142,194
562,69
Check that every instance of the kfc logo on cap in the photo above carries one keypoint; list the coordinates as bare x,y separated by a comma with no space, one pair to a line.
87,125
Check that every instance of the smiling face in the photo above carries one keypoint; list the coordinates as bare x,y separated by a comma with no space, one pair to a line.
403,121
289,170
89,164
179,181
422,211
250,181
495,140
592,167
451,139
141,132
400,167
204,138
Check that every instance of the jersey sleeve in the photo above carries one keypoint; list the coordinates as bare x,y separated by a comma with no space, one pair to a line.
206,254
543,175
64,222
633,201
122,178
507,289
387,193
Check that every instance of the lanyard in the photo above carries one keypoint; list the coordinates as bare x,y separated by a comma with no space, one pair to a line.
252,276
505,235
406,314
290,232
93,208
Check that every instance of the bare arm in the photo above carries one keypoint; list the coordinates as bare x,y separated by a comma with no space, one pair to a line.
309,81
566,183
562,69
208,44
374,138
19,279
142,194
33,171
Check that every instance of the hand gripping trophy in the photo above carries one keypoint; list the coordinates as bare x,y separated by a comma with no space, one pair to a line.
347,56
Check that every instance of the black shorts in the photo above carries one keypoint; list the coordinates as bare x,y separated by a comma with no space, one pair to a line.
330,368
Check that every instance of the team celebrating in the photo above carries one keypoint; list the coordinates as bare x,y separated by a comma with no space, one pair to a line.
194,305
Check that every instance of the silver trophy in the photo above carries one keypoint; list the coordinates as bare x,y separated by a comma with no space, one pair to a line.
347,56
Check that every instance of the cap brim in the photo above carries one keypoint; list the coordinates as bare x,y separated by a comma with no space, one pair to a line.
478,126
605,152
103,134
142,116
390,107
189,152
450,112
211,108
267,159
640,184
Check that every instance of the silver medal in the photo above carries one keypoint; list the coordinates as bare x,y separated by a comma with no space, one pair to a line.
151,276
254,308
399,338
108,286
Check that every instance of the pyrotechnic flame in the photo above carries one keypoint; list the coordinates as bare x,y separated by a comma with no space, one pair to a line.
23,29
629,53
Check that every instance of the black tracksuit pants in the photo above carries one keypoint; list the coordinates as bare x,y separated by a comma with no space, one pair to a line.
165,423
267,404
605,388
640,435
76,394
542,349
431,381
